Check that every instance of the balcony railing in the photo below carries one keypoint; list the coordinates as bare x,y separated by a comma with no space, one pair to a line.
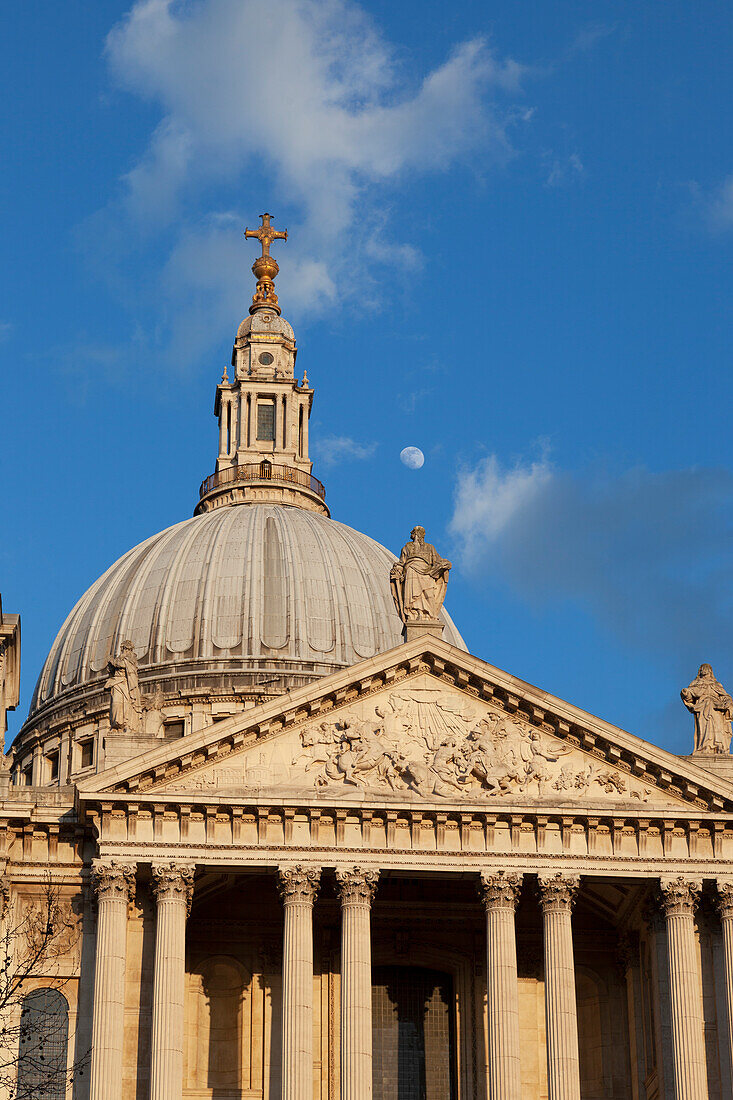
262,471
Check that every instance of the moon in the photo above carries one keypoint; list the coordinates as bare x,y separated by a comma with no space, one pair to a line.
412,457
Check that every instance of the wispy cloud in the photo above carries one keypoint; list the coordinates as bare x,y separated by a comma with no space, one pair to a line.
564,170
648,554
332,121
6,330
720,206
335,449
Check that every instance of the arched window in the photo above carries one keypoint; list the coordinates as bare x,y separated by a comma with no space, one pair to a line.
43,1044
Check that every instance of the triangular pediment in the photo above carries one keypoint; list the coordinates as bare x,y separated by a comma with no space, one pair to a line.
423,723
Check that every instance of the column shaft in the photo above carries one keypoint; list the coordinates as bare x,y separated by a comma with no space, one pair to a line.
298,886
500,893
356,888
172,885
688,1048
112,883
725,905
563,1058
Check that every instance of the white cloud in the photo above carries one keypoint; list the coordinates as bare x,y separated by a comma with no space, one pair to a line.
335,449
647,554
720,209
563,171
311,93
488,498
6,328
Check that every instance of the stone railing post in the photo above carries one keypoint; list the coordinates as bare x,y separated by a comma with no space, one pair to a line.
725,908
679,897
298,887
557,897
173,889
113,883
500,893
356,887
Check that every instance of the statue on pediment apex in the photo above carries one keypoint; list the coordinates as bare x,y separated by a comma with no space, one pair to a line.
125,706
419,579
712,707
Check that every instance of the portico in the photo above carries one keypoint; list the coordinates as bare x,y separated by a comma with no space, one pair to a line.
350,913
547,918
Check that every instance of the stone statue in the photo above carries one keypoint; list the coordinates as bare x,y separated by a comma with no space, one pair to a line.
713,709
419,579
125,708
153,721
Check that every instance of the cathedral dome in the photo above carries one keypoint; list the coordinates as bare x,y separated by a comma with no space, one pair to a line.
278,595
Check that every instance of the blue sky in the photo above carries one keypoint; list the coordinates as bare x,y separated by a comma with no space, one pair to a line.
511,229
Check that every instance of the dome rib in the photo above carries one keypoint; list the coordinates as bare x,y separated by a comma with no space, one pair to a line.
202,586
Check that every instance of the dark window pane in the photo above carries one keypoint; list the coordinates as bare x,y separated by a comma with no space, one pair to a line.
266,421
44,1036
413,1034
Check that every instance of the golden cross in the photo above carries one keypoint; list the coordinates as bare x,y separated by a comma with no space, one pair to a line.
266,234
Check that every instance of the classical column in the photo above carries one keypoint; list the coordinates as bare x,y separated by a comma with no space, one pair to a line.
500,892
557,896
725,907
298,888
113,883
679,897
356,887
173,889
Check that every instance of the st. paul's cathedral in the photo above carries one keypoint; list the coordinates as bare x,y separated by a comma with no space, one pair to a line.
301,844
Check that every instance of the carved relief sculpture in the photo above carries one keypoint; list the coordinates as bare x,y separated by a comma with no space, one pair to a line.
419,579
125,708
712,706
431,744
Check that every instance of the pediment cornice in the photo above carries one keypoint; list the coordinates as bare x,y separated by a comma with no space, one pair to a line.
161,773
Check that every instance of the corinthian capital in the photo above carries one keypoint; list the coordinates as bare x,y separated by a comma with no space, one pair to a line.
725,897
112,880
679,895
173,882
558,892
356,885
500,889
298,884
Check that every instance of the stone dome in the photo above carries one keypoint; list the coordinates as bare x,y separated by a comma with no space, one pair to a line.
267,323
251,588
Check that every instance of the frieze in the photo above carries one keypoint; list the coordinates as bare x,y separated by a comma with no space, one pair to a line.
431,743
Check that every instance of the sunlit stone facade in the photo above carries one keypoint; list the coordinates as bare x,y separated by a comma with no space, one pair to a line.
302,856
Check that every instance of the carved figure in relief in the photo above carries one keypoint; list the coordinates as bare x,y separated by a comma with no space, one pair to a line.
125,708
712,707
536,757
419,579
425,741
359,752
318,743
